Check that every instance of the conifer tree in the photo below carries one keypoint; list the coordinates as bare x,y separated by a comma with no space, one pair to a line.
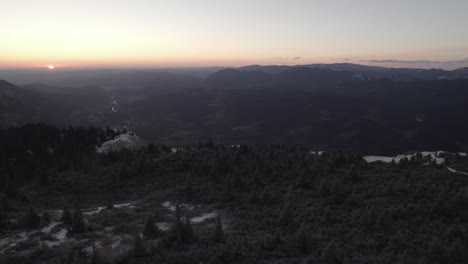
110,204
149,231
95,259
78,221
303,179
253,195
439,204
5,204
3,217
327,217
302,239
43,178
457,252
32,219
323,189
46,217
188,192
67,218
384,218
188,229
436,250
286,215
352,174
228,193
77,259
138,247
218,235
329,254
176,229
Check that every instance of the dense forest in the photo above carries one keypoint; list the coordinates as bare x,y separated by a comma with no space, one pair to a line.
63,202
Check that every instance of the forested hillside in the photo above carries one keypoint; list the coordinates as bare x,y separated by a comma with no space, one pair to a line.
214,203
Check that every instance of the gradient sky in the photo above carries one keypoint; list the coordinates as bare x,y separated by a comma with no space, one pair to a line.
408,33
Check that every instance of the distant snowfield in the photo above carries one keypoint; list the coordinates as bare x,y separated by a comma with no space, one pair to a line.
434,155
123,141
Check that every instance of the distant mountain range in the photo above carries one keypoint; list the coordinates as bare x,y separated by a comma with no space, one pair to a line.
322,106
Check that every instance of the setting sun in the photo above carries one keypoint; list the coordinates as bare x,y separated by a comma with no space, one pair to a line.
51,67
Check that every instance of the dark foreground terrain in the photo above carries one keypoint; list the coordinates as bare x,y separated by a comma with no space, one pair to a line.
209,203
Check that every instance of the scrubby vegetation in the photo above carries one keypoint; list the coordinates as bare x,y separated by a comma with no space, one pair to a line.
271,204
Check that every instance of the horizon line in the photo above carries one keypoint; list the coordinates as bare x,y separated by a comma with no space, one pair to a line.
154,67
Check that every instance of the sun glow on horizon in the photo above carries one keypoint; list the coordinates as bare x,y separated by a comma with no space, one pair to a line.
157,33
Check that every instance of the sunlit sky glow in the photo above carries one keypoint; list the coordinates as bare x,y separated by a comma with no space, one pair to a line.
122,33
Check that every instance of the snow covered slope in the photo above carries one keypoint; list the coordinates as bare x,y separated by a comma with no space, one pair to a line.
437,156
123,141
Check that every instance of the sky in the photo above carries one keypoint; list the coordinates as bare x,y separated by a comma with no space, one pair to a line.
147,33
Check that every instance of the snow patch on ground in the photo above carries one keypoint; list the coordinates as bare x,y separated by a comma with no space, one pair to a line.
319,152
434,155
59,236
171,206
164,226
123,141
455,171
203,217
102,208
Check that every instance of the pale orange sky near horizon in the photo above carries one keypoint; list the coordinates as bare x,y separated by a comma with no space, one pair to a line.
145,33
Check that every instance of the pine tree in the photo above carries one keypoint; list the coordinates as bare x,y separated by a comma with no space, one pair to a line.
218,235
188,191
323,189
77,259
228,193
337,193
352,174
5,204
32,220
329,255
302,239
457,252
436,250
78,221
237,181
286,215
110,204
138,247
149,231
67,218
46,217
265,197
384,219
95,259
43,178
327,217
465,197
188,229
176,230
3,217
253,195
439,204
289,194
303,179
